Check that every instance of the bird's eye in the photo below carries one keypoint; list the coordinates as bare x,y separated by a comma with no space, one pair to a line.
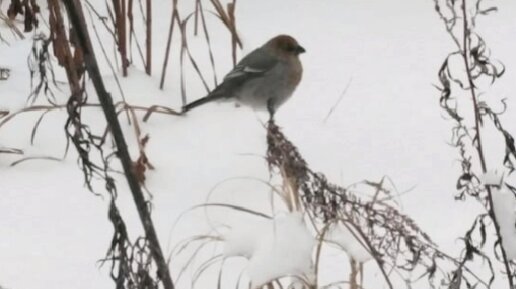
291,48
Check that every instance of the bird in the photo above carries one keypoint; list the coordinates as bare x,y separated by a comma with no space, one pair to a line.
263,79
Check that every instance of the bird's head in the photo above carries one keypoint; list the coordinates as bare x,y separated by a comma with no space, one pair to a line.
284,45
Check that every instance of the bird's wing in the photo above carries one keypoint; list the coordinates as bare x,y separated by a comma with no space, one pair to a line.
253,65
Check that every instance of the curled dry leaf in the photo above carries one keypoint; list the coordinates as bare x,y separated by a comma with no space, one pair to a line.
28,9
141,165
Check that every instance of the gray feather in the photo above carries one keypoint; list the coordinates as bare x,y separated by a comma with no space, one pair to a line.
252,66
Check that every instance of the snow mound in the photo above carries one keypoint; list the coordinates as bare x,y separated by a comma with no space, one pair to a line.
492,178
274,248
343,237
244,239
504,203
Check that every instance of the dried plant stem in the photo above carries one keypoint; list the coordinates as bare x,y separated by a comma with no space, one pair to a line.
367,244
11,25
123,38
227,19
200,10
148,40
231,13
62,45
6,116
174,18
353,275
77,20
478,138
120,11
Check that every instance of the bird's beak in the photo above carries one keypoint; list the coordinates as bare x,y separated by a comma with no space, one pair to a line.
300,49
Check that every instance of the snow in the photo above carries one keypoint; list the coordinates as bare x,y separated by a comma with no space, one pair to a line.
284,248
343,236
19,77
388,123
245,239
504,203
274,248
493,178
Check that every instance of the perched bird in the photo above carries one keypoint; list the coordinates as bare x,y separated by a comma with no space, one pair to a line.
264,79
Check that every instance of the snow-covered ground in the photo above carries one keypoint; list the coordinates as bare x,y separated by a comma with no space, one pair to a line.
53,231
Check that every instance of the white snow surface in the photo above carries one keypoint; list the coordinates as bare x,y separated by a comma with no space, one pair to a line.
493,178
15,91
350,241
504,203
274,248
53,231
244,239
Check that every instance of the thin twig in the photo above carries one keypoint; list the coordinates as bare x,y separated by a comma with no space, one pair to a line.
148,39
173,19
338,101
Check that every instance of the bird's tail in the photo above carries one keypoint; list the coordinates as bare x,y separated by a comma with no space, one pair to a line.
201,101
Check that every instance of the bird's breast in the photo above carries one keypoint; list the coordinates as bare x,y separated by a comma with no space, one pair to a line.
276,84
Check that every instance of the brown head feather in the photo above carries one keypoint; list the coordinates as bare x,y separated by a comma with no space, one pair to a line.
284,46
